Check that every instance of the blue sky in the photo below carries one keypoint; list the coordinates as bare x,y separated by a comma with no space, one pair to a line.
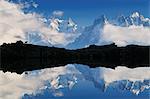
85,11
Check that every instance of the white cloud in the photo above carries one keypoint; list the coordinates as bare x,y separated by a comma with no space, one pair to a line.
123,36
58,13
15,25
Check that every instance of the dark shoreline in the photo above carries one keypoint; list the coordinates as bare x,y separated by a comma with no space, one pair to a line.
19,57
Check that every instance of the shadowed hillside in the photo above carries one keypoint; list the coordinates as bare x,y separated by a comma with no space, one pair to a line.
19,57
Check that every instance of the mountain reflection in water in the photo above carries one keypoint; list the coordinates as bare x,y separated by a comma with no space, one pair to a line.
76,81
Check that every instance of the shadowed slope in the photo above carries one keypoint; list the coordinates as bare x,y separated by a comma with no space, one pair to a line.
19,57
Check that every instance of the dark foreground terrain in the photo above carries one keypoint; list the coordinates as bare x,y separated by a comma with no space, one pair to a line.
19,57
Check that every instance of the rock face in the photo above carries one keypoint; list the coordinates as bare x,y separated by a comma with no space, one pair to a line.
20,57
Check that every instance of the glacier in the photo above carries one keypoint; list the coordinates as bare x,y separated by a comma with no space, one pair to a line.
56,81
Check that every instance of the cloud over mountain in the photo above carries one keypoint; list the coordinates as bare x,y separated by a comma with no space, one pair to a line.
16,25
123,36
36,29
133,29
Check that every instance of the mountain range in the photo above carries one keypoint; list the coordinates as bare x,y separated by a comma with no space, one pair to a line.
124,31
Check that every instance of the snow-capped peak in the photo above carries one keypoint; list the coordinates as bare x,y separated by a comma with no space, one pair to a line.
71,22
101,20
122,21
139,19
135,14
90,34
67,26
55,24
135,19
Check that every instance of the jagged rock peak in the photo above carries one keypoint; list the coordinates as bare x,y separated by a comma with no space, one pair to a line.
101,20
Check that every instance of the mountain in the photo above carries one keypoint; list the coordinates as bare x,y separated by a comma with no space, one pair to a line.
95,33
64,30
134,19
59,25
90,35
66,33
